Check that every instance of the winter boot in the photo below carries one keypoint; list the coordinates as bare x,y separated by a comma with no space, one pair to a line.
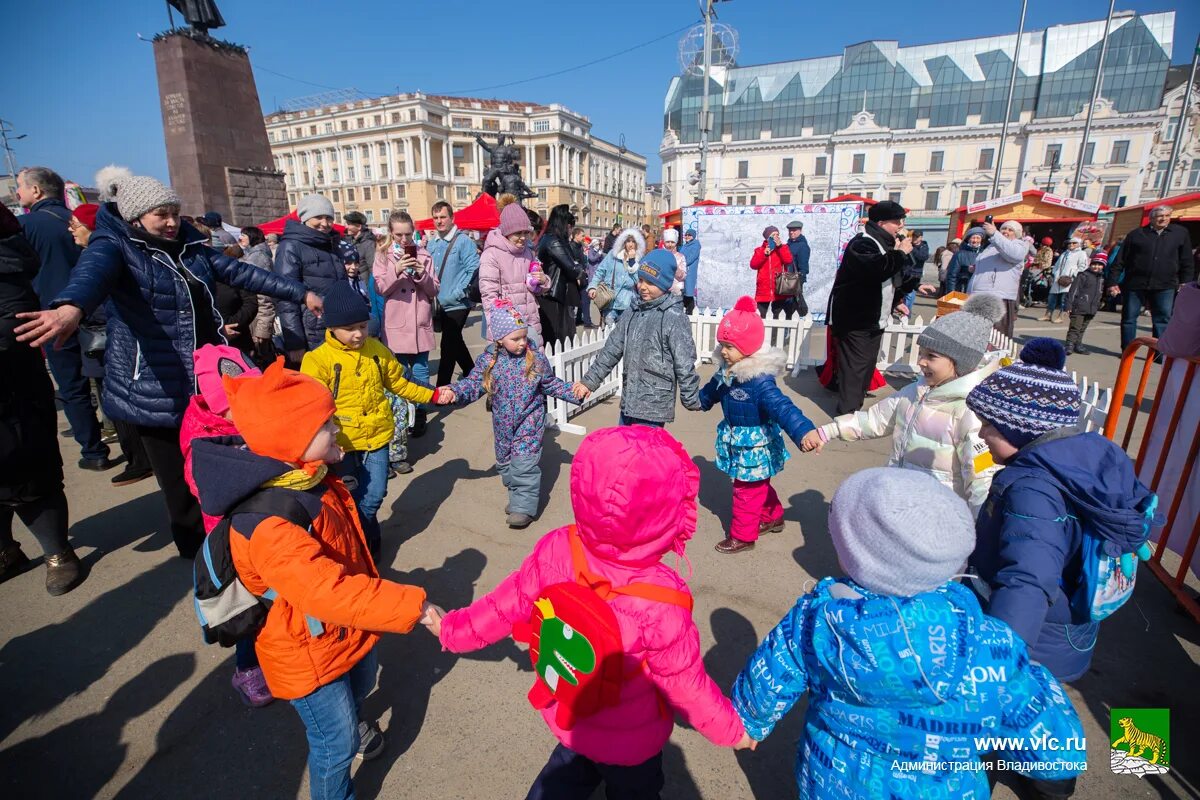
64,572
13,561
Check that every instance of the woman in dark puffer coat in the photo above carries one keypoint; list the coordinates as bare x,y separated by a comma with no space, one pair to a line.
307,253
557,305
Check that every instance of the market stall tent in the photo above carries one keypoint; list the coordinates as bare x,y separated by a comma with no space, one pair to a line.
674,218
1185,209
277,225
480,215
1041,213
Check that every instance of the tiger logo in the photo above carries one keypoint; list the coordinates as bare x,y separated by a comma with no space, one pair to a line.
1138,741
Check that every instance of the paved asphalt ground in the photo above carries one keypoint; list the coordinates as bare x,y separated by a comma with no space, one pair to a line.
109,692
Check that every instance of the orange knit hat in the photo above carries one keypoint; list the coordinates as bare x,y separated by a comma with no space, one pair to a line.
280,412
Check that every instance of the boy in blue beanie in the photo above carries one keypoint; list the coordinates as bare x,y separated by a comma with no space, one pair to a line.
655,340
1058,489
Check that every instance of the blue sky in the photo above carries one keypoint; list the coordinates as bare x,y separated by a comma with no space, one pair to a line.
94,100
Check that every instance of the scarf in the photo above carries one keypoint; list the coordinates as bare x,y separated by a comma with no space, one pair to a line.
302,479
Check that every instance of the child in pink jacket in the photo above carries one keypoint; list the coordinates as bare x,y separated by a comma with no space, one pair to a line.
634,492
208,415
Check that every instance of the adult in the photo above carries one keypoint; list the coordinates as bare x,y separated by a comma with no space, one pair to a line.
505,263
1044,259
403,277
1153,262
455,262
262,330
770,259
31,475
671,245
158,277
1072,262
962,264
618,271
221,238
648,235
137,465
610,238
943,258
915,269
363,239
307,253
557,304
691,256
866,290
237,308
801,253
583,312
998,269
40,192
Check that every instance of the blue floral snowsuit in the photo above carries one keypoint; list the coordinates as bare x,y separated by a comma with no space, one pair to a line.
518,418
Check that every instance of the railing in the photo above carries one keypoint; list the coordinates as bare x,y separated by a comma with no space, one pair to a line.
571,360
1158,452
782,332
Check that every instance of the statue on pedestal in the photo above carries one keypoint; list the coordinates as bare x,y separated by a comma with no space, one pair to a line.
503,175
201,15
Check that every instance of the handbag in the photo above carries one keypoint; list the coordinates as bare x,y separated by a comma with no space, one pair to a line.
437,307
93,339
788,284
1065,280
606,293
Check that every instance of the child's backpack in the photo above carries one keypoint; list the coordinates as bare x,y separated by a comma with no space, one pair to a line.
227,610
575,641
1107,573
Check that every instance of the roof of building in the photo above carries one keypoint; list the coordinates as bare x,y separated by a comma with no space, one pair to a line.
1176,76
321,104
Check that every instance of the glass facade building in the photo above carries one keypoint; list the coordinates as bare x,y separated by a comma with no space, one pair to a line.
942,83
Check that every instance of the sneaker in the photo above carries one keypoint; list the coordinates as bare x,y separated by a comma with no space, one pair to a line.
131,475
519,520
251,686
63,573
770,527
13,561
370,741
729,546
1081,350
402,467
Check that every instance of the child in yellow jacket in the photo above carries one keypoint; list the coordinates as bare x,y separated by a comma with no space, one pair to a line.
357,368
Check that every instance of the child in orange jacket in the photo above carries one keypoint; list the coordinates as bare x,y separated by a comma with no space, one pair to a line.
329,603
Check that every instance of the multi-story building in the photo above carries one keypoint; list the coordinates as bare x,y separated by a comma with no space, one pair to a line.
922,125
1187,167
408,151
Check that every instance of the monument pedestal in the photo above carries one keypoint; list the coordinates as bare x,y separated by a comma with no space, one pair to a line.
217,149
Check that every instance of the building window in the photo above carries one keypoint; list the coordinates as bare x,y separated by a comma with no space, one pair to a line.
369,214
360,123
1160,174
349,195
936,161
395,117
753,199
980,195
819,165
491,124
401,191
517,125
1172,125
870,195
741,200
818,197
337,196
383,193
365,150
897,162
384,213
786,172
728,199
858,164
1053,155
785,199
337,217
328,127
312,130
743,169
383,169
1111,194
932,199
378,120
460,193
1120,152
401,169
366,172
412,115
986,157
366,194
1089,153
436,119
965,197
291,199
460,122
541,126
1194,174
894,197
541,193
344,125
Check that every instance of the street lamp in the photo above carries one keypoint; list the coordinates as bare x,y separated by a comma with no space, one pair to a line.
801,188
5,129
620,175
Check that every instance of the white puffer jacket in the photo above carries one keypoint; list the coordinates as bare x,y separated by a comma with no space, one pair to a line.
933,431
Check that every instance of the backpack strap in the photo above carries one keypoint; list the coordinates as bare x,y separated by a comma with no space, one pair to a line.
604,588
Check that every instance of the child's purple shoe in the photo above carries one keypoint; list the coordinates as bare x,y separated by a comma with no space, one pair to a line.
251,686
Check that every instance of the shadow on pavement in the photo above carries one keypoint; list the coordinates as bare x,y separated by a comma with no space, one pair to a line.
142,520
79,758
816,556
416,506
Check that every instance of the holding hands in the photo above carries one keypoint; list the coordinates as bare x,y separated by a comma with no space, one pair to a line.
444,395
746,743
431,618
812,442
581,392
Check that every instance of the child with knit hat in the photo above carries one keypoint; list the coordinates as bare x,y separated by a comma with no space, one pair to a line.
654,339
1057,488
906,677
750,446
1083,301
359,370
329,604
931,427
517,378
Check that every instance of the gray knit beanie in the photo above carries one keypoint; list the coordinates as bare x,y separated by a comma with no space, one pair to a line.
139,194
314,205
963,336
899,531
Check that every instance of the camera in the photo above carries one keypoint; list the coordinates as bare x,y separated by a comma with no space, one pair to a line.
988,219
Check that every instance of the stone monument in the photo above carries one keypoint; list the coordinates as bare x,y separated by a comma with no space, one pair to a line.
217,149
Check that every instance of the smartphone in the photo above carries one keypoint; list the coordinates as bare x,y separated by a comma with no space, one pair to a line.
988,219
410,250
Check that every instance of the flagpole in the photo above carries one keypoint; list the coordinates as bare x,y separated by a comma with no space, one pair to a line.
1012,85
1087,126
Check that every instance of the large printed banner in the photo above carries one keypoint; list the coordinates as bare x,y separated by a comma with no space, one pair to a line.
729,234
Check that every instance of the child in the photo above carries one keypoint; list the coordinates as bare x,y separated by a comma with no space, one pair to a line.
1057,484
208,415
316,646
357,369
932,429
655,340
750,447
904,673
1083,301
515,375
634,495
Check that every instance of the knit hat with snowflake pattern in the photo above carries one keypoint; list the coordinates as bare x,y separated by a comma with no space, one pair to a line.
1031,397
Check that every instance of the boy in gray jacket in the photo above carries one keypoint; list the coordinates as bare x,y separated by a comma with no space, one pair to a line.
655,340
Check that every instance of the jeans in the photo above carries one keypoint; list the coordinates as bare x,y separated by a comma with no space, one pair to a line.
66,365
754,503
1056,301
46,518
368,470
624,420
454,349
570,776
522,476
583,316
1161,304
909,299
330,717
166,459
416,367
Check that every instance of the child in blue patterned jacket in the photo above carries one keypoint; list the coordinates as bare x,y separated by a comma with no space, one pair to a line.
515,375
909,684
750,447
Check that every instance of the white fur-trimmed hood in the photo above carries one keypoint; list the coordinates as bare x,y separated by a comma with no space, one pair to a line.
767,361
618,248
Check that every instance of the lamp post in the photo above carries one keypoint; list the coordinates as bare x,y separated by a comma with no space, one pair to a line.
1087,126
620,173
801,188
5,129
1012,85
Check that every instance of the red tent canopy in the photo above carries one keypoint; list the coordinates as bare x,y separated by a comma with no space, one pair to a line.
479,216
277,225
852,198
